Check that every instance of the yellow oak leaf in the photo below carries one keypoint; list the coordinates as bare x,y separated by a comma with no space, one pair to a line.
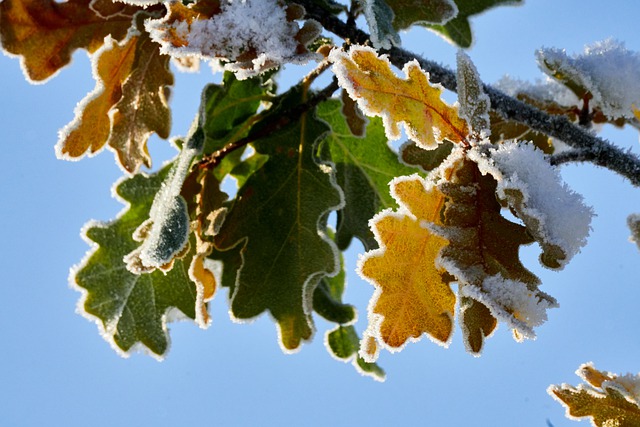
44,33
412,295
608,399
414,101
129,102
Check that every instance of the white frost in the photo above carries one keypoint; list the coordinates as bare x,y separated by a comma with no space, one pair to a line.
243,25
547,90
512,302
607,69
562,218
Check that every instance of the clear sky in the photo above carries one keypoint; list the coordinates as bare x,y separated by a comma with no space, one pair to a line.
55,369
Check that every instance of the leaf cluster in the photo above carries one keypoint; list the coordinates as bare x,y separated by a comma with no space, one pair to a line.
431,216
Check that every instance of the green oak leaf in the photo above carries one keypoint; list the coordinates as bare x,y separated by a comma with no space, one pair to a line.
379,18
327,297
427,160
228,109
364,167
458,30
410,12
344,343
132,310
275,221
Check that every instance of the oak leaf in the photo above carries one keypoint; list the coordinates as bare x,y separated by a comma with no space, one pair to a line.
129,102
132,309
45,33
275,221
413,101
608,399
458,29
413,296
364,166
483,255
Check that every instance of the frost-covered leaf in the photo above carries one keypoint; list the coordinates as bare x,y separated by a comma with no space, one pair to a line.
250,36
412,296
410,12
413,155
607,73
355,118
327,299
364,167
458,29
368,78
275,220
129,102
553,213
504,130
132,309
608,399
474,103
45,33
483,253
379,18
343,342
229,109
633,221
168,227
476,322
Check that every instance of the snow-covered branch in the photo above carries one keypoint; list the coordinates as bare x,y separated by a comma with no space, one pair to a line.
591,148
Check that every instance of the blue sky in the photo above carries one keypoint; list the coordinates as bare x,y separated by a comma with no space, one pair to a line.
55,369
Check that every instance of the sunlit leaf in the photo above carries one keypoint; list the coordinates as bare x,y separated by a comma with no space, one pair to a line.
368,78
364,167
458,30
129,102
45,33
413,296
608,399
275,220
132,309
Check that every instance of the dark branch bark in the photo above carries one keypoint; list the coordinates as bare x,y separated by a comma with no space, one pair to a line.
592,148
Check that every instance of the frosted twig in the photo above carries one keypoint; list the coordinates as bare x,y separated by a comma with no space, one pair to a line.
283,119
595,150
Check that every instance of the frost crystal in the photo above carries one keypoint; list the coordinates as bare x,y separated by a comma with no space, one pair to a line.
606,69
512,302
547,90
255,29
554,213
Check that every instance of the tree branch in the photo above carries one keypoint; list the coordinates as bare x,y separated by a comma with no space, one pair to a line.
211,161
592,148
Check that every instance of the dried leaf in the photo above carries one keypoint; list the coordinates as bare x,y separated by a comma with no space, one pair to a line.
129,102
45,33
608,399
369,80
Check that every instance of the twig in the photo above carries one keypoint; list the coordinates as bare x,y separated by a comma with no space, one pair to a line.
593,148
283,119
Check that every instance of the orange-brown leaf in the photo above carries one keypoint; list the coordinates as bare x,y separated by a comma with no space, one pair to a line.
369,80
129,102
412,296
45,33
609,400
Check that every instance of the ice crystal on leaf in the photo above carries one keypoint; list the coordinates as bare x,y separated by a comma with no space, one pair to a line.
248,36
555,215
606,72
606,398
